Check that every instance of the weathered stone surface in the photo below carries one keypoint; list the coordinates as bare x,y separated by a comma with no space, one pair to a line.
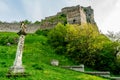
17,69
74,15
100,73
89,14
55,62
17,66
8,44
75,68
14,27
114,78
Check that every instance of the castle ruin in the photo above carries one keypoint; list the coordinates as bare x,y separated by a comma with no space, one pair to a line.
75,15
79,14
72,15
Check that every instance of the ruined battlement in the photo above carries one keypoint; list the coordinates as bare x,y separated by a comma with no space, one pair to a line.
79,15
76,15
70,9
72,15
15,27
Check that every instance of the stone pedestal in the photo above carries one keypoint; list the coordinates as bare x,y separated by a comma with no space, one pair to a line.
17,66
17,69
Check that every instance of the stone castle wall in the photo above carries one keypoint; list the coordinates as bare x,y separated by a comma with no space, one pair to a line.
15,27
74,15
79,15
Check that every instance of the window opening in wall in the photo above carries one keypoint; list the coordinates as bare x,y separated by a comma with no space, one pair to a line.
74,20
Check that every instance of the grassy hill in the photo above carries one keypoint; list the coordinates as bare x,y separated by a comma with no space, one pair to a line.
36,60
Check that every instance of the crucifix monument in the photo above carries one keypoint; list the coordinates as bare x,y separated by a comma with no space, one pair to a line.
17,66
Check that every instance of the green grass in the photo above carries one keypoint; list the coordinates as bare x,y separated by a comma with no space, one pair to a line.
36,60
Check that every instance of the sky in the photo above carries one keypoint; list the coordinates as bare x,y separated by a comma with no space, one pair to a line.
106,12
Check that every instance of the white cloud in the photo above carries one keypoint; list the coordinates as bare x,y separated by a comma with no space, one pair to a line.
8,12
113,20
32,9
77,2
4,8
106,12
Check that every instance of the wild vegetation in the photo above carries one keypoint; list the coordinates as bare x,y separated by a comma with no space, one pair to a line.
55,19
36,59
85,44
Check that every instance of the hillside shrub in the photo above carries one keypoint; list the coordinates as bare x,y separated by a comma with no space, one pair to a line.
8,39
55,19
84,44
56,37
42,32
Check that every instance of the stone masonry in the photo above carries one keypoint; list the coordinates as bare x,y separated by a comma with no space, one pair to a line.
74,15
79,15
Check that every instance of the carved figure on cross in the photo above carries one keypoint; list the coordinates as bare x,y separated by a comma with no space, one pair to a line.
23,29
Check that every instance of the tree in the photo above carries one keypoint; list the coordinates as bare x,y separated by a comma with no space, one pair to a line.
27,22
37,22
84,44
56,38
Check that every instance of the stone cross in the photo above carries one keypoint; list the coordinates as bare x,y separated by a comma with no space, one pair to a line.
17,66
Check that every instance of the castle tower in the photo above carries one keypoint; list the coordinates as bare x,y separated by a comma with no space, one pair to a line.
89,14
79,15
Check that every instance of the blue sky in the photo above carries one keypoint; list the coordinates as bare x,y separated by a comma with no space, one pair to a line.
106,11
